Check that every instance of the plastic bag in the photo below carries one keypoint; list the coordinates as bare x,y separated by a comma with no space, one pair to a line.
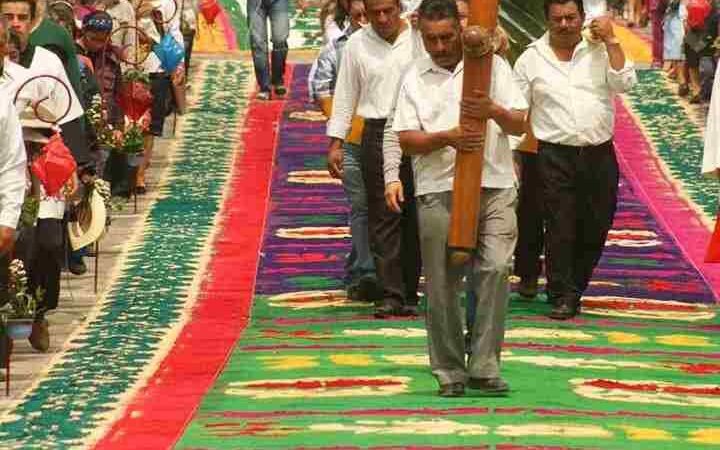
209,10
169,52
54,166
134,98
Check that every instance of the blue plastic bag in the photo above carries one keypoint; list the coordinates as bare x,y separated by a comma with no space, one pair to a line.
169,52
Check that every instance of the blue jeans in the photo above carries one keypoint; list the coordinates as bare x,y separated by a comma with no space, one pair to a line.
259,11
362,264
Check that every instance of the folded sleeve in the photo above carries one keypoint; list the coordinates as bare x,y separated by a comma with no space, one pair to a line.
346,96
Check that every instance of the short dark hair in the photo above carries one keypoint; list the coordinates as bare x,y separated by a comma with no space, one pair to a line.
32,3
579,4
396,1
438,10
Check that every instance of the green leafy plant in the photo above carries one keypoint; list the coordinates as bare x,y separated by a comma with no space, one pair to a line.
21,304
133,138
29,211
136,75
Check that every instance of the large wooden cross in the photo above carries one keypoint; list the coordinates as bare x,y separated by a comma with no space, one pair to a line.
467,187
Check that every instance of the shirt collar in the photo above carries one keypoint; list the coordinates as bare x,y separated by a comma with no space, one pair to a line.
542,45
401,37
426,65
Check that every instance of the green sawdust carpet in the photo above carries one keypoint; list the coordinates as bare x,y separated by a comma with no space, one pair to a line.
638,370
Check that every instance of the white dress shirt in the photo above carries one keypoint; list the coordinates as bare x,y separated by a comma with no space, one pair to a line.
429,100
370,72
13,163
55,96
43,88
123,15
12,78
711,149
571,102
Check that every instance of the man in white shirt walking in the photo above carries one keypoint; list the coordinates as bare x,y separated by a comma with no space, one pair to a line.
362,283
12,163
373,62
570,85
427,120
12,178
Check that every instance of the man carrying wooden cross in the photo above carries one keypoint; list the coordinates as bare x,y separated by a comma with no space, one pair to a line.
427,120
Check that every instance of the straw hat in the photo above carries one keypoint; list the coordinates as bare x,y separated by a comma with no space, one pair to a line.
90,224
29,118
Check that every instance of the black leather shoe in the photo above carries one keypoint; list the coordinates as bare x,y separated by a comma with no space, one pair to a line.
77,267
565,310
407,310
370,289
451,390
528,288
489,385
384,311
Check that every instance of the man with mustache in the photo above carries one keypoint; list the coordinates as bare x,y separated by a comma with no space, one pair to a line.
427,122
374,60
570,83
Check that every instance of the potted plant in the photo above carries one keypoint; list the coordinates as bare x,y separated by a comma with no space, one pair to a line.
19,312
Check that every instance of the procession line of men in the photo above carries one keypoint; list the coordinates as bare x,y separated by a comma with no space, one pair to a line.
403,81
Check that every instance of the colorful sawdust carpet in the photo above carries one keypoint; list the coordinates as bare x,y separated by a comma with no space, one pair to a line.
638,370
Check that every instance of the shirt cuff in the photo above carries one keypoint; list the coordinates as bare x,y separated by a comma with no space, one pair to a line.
392,175
628,67
338,131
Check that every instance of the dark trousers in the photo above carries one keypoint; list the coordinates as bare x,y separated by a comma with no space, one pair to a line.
580,186
117,172
42,249
161,90
531,236
393,237
188,39
4,278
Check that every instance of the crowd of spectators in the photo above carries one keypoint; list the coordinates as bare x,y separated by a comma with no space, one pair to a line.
684,39
88,86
